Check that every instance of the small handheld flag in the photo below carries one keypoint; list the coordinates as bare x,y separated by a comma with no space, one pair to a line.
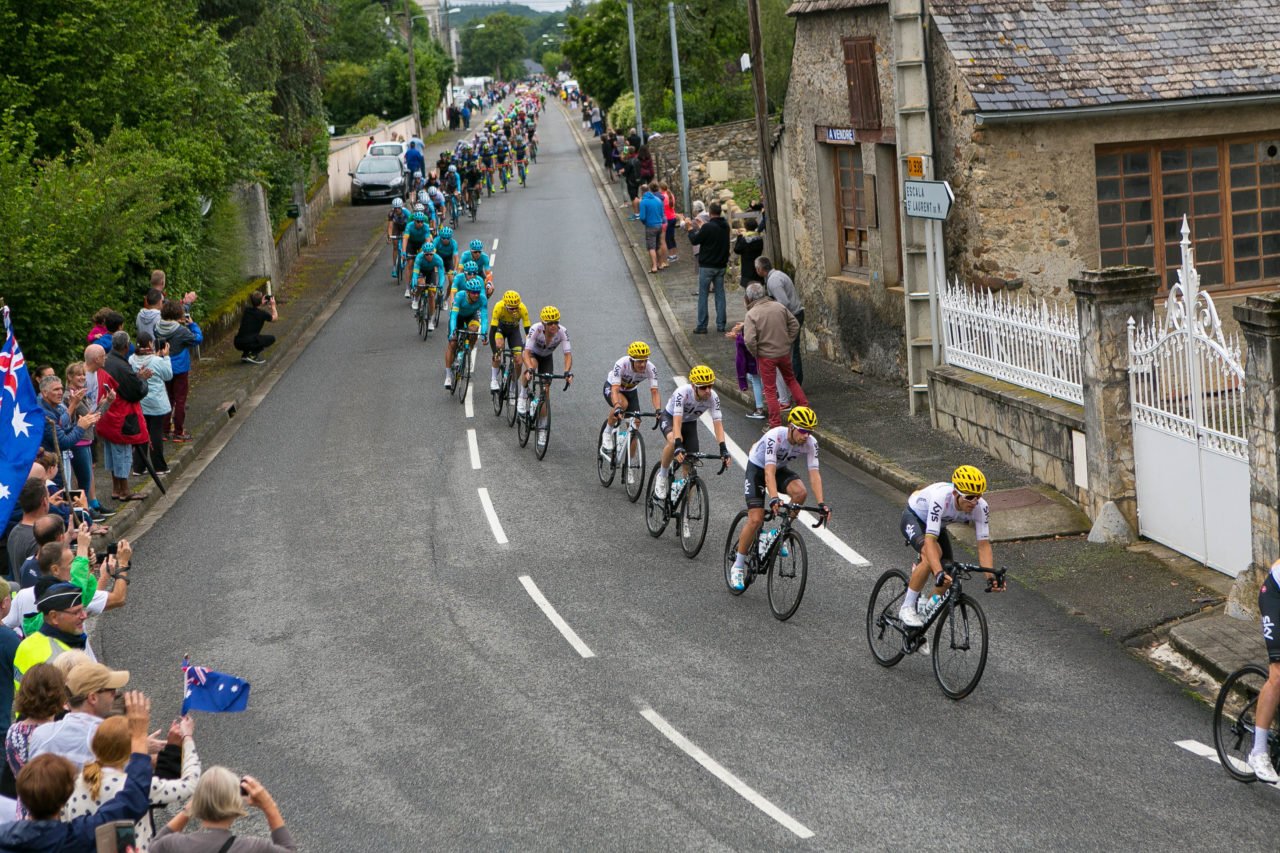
214,692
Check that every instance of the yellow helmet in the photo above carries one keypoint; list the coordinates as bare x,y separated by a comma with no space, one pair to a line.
969,480
550,314
702,376
803,417
638,349
511,299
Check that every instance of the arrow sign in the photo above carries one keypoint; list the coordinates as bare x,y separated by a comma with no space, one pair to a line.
927,199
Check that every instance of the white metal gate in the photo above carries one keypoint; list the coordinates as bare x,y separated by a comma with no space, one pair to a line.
1191,457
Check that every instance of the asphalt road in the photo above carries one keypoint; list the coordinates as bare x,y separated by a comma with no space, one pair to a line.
409,693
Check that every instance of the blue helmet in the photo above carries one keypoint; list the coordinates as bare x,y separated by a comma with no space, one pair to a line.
474,284
477,246
471,268
446,232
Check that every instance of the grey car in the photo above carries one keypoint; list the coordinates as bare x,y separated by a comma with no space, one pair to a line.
377,179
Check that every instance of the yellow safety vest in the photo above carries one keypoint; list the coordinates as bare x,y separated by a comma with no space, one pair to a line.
38,648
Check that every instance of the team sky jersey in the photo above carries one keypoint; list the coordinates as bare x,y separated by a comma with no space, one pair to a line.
448,247
429,266
502,315
466,310
936,506
623,375
774,448
684,403
537,343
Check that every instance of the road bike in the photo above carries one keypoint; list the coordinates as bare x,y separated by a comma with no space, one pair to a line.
960,628
455,209
504,175
520,164
461,366
421,314
686,501
1233,722
397,259
537,420
627,453
784,559
471,199
505,396
533,150
488,179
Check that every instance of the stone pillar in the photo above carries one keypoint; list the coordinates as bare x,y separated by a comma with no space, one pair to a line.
1105,300
1259,319
257,238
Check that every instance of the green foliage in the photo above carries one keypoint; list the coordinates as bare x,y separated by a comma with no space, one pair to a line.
596,44
622,114
662,124
553,61
494,46
366,124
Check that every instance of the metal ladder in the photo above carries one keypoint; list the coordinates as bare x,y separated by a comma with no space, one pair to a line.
915,137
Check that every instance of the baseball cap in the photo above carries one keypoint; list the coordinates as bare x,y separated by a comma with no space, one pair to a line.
86,678
58,596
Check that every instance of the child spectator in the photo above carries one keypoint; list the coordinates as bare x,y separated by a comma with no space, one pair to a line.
155,405
180,333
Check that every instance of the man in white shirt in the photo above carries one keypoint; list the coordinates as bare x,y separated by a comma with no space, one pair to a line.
93,688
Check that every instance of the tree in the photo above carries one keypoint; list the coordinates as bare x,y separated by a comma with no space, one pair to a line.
494,46
597,47
553,62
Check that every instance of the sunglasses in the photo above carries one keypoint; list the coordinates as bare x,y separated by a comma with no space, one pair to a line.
965,497
805,432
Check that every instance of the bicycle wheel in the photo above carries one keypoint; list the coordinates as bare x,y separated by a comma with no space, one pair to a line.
500,396
960,648
882,634
543,428
655,508
787,576
456,369
523,423
422,323
633,473
464,377
1233,720
510,386
695,514
731,548
604,459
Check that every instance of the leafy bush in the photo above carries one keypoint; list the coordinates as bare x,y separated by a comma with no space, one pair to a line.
622,114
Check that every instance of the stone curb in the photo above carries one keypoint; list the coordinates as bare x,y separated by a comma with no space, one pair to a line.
855,454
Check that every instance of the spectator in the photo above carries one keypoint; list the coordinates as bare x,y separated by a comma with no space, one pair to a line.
91,689
122,426
103,777
673,218
217,804
768,332
712,240
33,500
609,155
149,314
48,530
61,430
597,119
466,115
783,289
159,281
631,176
155,406
748,371
99,325
46,782
748,246
414,161
41,372
249,339
57,564
9,642
113,322
180,333
62,629
44,698
654,221
77,388
648,169
634,140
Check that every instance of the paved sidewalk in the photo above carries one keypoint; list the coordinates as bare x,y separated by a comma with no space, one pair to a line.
1127,593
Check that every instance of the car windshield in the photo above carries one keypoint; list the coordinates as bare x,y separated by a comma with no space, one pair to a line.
385,151
379,165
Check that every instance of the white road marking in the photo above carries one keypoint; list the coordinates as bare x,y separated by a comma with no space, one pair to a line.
494,524
550,612
495,245
474,448
467,408
493,261
716,769
832,541
1195,747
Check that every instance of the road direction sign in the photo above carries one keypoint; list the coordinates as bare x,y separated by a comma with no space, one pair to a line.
927,199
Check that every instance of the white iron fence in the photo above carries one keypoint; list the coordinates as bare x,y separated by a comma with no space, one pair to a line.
1034,345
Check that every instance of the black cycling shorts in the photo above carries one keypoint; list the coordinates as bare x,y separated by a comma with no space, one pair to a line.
913,531
688,429
754,486
633,399
546,363
1269,608
511,334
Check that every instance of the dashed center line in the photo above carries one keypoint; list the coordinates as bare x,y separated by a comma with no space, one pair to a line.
474,449
561,625
495,245
467,408
494,524
718,770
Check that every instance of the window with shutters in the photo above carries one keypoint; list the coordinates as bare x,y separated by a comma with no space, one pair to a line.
852,204
864,87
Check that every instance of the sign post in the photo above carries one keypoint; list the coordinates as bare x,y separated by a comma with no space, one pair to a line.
931,200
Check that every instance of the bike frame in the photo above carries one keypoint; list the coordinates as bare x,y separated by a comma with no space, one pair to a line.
692,462
957,572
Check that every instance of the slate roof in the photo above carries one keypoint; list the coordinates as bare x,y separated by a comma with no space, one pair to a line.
1053,54
804,7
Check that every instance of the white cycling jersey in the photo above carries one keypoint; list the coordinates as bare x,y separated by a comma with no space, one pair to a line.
537,342
685,403
775,448
936,506
623,375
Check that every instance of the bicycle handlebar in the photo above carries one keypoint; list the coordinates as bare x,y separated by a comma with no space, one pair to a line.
549,376
968,569
697,457
796,509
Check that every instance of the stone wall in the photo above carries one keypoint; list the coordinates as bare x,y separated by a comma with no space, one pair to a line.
733,142
1033,432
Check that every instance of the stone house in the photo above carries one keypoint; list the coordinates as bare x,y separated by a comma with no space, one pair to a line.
1075,136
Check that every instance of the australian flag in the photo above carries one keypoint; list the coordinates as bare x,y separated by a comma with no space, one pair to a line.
21,421
215,692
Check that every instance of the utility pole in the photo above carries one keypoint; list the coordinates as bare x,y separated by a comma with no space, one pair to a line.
635,71
772,244
684,150
413,72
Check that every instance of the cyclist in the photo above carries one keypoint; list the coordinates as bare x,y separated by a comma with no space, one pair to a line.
447,249
679,421
471,177
436,198
539,345
397,217
476,253
468,269
485,156
427,274
924,525
621,386
1269,696
468,306
521,151
451,183
502,157
416,233
767,472
509,322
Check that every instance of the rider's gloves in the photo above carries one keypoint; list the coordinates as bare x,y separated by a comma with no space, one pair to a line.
826,512
774,504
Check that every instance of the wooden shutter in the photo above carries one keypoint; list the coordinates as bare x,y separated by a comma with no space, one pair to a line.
862,82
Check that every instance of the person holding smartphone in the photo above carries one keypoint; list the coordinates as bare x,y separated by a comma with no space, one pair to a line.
219,801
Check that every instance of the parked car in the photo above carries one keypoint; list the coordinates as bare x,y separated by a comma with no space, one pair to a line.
377,178
388,149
